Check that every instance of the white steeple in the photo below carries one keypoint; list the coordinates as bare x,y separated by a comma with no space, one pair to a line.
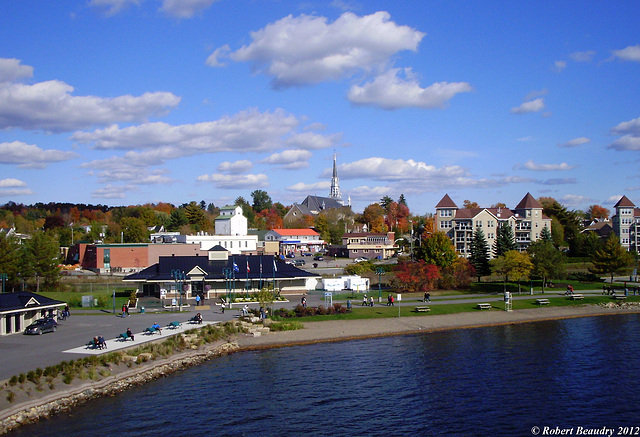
335,184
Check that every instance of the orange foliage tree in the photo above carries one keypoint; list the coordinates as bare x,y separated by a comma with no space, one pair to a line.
415,276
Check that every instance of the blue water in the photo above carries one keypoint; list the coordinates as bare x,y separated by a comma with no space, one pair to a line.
487,381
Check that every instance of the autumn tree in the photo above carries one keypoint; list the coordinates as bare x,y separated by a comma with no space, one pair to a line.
514,264
612,258
415,277
597,212
467,204
437,249
373,217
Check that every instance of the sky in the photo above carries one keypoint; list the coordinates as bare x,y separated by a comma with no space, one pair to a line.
127,102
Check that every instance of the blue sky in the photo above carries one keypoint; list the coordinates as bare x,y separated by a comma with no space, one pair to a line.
125,102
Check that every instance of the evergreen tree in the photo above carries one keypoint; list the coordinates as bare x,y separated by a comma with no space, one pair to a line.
612,258
505,240
546,234
9,260
261,200
402,200
44,251
479,257
178,218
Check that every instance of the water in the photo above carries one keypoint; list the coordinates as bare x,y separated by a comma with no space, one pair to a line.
488,381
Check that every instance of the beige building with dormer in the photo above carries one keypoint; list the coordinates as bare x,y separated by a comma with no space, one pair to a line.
526,220
626,223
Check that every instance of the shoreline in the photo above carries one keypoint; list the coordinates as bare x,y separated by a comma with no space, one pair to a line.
312,333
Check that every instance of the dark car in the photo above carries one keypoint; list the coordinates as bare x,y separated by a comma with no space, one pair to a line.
299,262
41,326
318,258
291,255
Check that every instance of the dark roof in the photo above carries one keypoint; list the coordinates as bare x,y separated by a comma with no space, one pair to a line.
528,202
624,202
25,299
217,248
446,202
317,203
161,271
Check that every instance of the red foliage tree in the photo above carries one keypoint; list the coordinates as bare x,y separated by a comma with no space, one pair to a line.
416,276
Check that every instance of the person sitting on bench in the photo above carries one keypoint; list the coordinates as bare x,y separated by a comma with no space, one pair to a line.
198,318
157,327
130,334
102,344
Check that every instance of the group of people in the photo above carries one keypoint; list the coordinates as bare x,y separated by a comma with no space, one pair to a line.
125,310
64,313
390,300
99,342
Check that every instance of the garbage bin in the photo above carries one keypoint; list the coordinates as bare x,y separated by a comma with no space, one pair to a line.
141,310
315,265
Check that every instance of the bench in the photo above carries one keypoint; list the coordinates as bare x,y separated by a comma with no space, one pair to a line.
576,297
422,309
151,330
195,320
124,337
618,297
174,325
484,306
542,301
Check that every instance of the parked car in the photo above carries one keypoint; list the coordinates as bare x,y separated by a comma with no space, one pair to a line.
318,258
299,262
41,326
307,254
291,255
360,259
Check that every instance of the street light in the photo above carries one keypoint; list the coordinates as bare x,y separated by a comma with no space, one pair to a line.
179,277
228,274
380,272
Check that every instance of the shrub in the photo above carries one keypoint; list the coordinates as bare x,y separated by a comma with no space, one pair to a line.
68,377
13,381
31,376
286,326
584,277
22,378
11,396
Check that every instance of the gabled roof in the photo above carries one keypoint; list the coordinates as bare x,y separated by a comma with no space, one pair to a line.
217,248
295,232
498,213
446,202
624,202
529,202
318,203
25,299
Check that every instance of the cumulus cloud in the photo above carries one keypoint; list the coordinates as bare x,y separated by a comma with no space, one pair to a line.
113,191
305,50
31,156
312,140
236,181
12,183
631,135
575,142
214,59
122,169
530,165
301,187
574,200
366,192
535,105
50,106
629,53
290,159
237,167
185,8
12,70
586,56
390,91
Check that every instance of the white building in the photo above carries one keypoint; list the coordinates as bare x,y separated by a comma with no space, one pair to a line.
231,221
295,240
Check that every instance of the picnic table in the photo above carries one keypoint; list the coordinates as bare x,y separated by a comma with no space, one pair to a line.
422,309
576,297
542,301
484,306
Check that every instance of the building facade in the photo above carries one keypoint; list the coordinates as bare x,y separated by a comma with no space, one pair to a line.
367,244
626,223
295,240
526,220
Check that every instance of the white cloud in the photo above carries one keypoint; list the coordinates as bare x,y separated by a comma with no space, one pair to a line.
586,56
214,58
631,135
301,187
536,105
306,49
237,167
312,140
49,106
366,192
290,159
536,93
559,65
31,156
629,53
185,8
575,142
112,7
113,191
12,183
11,70
385,169
530,165
557,181
614,199
236,181
390,91
574,200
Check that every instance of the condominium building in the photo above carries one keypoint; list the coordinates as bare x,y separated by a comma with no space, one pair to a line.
526,220
626,223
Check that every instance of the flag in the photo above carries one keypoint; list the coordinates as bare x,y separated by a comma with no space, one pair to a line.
235,267
260,266
275,268
248,269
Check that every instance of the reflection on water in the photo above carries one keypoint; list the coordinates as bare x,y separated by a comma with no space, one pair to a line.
487,381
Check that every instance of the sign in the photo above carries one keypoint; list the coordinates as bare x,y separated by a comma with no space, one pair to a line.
399,298
328,294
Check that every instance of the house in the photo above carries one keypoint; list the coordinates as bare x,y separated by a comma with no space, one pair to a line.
625,223
527,221
295,240
218,274
602,228
366,244
18,310
311,206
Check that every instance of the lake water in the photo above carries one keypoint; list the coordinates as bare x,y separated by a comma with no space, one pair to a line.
502,380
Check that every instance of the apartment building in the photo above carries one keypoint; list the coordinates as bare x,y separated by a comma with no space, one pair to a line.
626,223
526,220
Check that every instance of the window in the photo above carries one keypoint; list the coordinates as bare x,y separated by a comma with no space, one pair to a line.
445,213
491,235
478,223
490,224
446,225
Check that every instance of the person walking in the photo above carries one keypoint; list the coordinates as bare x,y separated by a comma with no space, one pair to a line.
198,300
371,301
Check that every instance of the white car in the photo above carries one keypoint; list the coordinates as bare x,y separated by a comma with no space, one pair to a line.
361,259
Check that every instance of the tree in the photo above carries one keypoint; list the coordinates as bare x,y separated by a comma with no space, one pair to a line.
247,210
385,201
513,264
178,219
402,200
505,240
479,256
9,260
261,200
373,217
467,204
458,275
612,258
134,230
548,262
438,250
596,212
44,251
415,277
546,234
195,216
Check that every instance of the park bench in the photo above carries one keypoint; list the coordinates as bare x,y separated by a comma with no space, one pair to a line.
195,321
124,337
484,306
542,301
422,309
619,297
92,345
174,325
576,297
151,330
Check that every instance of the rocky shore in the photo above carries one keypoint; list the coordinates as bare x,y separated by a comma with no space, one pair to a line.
123,377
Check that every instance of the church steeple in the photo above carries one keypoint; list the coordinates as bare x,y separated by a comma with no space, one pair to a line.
335,184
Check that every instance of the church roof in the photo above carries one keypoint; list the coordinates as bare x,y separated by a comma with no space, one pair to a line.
446,202
315,204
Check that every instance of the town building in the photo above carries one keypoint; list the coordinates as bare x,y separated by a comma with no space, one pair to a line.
625,223
18,310
295,240
527,221
365,244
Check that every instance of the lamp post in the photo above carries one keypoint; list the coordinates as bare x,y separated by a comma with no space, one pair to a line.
380,272
3,276
179,277
228,274
411,241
